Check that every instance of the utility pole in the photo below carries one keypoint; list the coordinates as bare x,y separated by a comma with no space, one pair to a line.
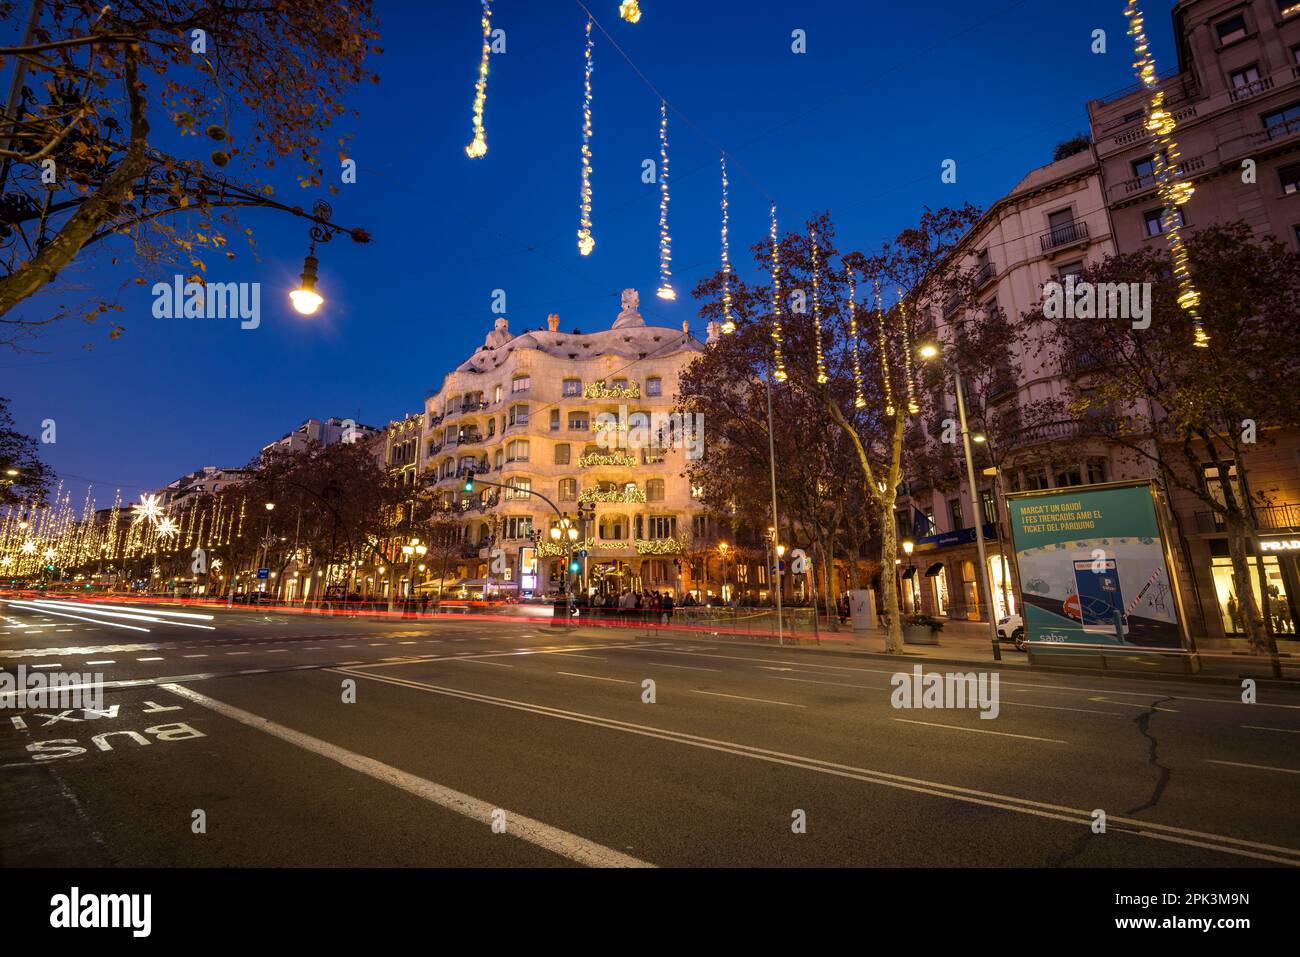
776,525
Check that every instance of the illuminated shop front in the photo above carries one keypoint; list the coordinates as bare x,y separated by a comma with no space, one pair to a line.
1281,556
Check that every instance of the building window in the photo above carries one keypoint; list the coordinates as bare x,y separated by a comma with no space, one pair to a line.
613,528
517,526
579,422
700,526
1282,122
1096,471
499,459
654,490
519,415
619,384
954,513
555,420
1072,475
562,454
1244,78
496,395
987,506
1060,225
661,526
517,451
1074,269
654,386
1296,229
518,488
1231,29
520,383
572,387
1155,220
568,489
492,427
1290,177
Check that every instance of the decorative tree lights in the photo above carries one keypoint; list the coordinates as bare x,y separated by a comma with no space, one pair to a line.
586,242
665,290
728,322
478,146
859,401
884,356
815,243
1173,189
778,357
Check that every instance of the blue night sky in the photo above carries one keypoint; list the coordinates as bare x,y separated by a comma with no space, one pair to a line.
858,125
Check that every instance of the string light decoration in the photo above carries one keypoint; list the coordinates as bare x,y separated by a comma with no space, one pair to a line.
630,11
859,401
913,407
778,371
884,357
586,242
666,290
478,146
822,377
728,323
1174,190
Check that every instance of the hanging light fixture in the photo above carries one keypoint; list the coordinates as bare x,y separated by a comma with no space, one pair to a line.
306,300
478,146
666,290
728,323
586,242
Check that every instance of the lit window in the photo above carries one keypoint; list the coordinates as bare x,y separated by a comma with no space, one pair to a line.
519,415
520,383
568,489
573,387
1155,221
517,451
1290,176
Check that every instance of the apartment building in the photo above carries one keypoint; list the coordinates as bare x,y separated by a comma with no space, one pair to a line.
571,417
1235,94
326,432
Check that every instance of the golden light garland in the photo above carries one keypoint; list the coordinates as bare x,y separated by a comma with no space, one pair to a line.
859,401
586,242
822,378
728,323
913,407
478,146
1174,190
884,356
666,290
779,359
630,11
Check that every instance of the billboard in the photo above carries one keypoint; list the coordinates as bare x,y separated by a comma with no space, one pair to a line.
1093,567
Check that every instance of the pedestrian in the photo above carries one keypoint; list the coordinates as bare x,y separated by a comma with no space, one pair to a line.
666,603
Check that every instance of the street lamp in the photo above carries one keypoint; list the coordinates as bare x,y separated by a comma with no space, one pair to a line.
305,298
928,352
908,547
723,549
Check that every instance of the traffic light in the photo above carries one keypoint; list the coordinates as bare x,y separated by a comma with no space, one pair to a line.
575,566
469,481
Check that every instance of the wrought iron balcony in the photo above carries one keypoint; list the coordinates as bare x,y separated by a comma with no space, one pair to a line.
1075,231
1271,518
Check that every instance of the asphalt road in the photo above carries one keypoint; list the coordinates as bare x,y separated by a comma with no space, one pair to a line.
309,740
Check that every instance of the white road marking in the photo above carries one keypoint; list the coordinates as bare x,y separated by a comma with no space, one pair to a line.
567,845
1001,734
193,656
741,697
472,661
664,664
1129,704
1257,727
51,665
839,684
1257,767
570,654
1239,847
574,674
106,661
148,659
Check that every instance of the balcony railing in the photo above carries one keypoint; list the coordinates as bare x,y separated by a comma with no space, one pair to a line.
985,274
1279,131
1072,232
1063,430
1272,518
1247,90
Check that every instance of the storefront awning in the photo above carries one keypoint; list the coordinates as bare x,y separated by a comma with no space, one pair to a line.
910,573
934,569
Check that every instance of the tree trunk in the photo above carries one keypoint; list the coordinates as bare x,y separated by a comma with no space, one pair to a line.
1253,623
889,593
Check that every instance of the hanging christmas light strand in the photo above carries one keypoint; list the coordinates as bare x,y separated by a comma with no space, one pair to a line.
822,378
1174,190
913,407
884,356
586,242
778,357
665,290
728,323
478,146
859,401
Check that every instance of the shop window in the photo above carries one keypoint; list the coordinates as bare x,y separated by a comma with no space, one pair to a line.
1277,607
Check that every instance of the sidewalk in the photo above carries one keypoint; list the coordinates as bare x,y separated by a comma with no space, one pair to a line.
969,643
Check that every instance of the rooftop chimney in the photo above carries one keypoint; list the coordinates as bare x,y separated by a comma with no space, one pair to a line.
553,322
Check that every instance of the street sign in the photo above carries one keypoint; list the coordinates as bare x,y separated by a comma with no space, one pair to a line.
582,553
264,573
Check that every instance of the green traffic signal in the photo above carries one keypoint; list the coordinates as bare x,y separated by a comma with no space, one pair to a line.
575,567
469,481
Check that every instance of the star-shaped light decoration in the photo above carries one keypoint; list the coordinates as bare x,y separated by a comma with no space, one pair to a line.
48,554
29,547
148,508
168,527
215,564
6,561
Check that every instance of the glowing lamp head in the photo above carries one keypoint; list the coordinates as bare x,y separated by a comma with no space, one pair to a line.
305,298
666,292
979,438
630,11
908,546
928,351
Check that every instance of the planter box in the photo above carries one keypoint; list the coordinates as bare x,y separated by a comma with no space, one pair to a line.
919,635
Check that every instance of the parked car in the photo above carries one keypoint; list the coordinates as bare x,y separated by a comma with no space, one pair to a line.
1012,628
